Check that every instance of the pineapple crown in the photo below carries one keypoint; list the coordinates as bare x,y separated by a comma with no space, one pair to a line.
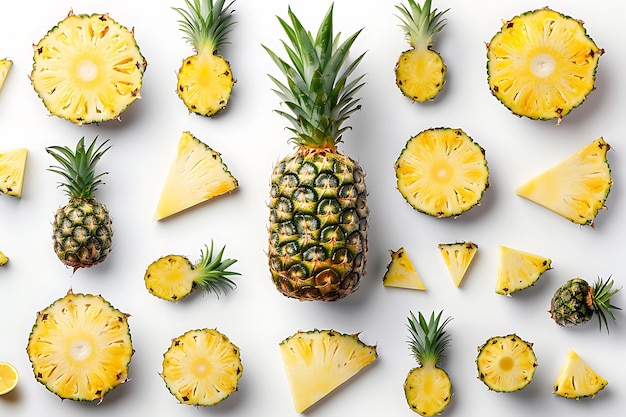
78,167
428,340
600,299
420,23
317,91
206,24
213,274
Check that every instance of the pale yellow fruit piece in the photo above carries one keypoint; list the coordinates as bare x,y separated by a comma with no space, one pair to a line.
12,169
197,174
5,66
518,270
401,272
577,187
576,379
318,361
9,377
3,258
457,257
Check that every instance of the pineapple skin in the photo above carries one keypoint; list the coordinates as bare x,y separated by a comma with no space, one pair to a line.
82,233
318,225
571,303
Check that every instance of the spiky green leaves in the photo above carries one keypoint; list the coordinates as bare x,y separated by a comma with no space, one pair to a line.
213,271
318,92
420,23
427,339
206,24
77,166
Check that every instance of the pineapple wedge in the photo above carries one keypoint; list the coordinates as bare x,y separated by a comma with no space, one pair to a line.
196,175
576,379
3,258
577,187
318,361
401,273
518,270
12,168
457,257
5,66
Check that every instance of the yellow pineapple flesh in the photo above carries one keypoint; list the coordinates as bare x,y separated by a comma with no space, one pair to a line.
576,379
506,363
458,256
518,270
3,258
12,169
401,273
5,66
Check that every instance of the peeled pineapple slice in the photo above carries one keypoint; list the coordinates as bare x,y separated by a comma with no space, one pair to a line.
577,187
12,168
5,66
518,270
318,361
457,257
442,172
576,379
506,363
3,258
196,175
401,272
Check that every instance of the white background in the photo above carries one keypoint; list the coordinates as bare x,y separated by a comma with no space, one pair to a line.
251,138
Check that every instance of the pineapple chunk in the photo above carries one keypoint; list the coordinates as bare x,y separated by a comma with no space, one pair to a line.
576,379
196,175
3,258
518,270
318,361
12,168
506,363
401,272
5,66
577,187
457,257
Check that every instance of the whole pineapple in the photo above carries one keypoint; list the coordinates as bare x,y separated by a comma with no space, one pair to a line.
81,231
318,212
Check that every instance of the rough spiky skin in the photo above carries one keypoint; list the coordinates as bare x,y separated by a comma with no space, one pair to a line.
318,225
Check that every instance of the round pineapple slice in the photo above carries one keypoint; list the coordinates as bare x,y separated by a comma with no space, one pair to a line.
506,363
442,172
542,64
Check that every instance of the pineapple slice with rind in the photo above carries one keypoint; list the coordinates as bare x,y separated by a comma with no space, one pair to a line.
12,169
318,361
3,258
518,270
457,257
577,187
196,175
401,272
202,367
5,66
576,379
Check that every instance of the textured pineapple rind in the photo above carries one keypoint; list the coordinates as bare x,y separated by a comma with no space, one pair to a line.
141,66
569,305
559,113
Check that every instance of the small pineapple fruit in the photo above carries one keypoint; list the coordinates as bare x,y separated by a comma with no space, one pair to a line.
401,272
5,66
3,258
576,379
202,367
81,231
88,69
506,363
12,169
542,64
420,71
9,377
427,387
518,270
577,187
197,174
80,347
576,301
205,80
173,277
318,199
457,257
442,172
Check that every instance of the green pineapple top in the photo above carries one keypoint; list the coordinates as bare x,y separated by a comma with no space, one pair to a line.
212,272
601,293
428,340
317,91
420,23
78,167
206,24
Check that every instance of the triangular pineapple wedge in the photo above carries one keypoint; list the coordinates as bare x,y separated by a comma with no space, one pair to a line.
318,361
197,174
518,270
5,66
3,258
576,379
577,187
12,168
457,257
401,272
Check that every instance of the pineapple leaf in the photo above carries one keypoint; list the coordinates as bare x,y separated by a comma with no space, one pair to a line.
420,23
428,340
206,24
212,272
602,291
